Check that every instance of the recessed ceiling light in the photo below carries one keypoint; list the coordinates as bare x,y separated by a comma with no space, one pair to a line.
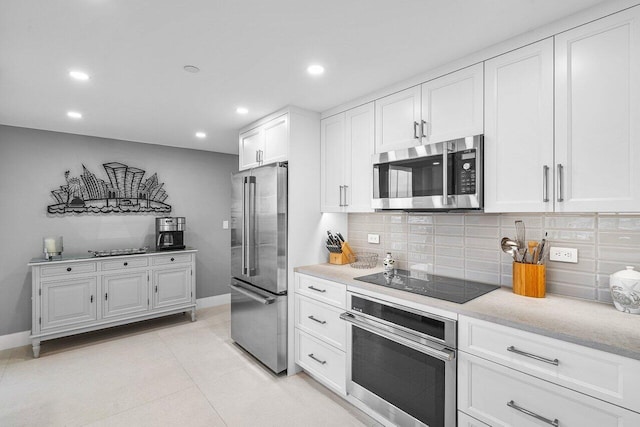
191,68
201,135
79,75
242,110
315,70
74,114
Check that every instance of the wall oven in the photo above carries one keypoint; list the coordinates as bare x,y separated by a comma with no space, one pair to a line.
402,362
441,176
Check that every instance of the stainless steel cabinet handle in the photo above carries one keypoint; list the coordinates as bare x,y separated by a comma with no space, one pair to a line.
423,127
91,298
69,268
345,195
512,349
254,296
545,183
415,130
511,404
560,186
257,157
322,322
126,263
341,188
105,296
316,289
322,362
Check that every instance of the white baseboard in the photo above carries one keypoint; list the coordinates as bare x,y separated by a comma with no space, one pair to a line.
213,301
17,339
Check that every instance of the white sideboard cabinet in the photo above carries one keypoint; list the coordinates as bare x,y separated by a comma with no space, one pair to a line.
73,296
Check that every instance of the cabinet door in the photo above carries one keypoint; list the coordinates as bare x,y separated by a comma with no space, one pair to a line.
332,163
518,139
276,140
598,115
171,286
69,302
452,105
398,120
125,293
251,142
359,149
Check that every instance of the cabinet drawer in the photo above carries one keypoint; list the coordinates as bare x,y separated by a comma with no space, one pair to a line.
120,264
486,390
321,320
71,268
607,376
322,290
324,362
465,420
170,259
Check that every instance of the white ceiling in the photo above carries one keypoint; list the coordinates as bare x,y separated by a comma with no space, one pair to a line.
251,53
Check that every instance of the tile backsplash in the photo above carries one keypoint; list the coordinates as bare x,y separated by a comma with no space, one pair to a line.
468,245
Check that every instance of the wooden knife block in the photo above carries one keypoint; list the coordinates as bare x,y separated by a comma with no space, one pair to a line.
529,280
345,257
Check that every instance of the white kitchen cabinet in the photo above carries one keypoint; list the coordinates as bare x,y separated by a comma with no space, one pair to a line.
445,108
68,302
452,106
597,115
553,378
347,143
125,293
320,335
171,286
518,138
503,397
265,144
73,296
465,420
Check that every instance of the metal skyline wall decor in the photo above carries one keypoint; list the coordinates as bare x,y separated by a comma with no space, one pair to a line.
126,192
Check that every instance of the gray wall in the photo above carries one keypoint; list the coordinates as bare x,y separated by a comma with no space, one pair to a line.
32,163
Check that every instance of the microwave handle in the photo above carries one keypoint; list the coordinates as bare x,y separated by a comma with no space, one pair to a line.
445,178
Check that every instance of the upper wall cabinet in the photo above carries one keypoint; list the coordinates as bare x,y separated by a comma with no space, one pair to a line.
346,146
518,130
597,115
267,143
441,109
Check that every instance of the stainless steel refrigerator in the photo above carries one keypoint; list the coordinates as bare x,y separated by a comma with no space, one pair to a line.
259,263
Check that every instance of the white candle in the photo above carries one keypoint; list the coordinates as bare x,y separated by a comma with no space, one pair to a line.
50,245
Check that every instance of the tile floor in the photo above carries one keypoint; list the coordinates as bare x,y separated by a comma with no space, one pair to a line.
163,372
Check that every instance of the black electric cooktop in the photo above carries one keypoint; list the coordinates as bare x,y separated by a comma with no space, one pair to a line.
445,288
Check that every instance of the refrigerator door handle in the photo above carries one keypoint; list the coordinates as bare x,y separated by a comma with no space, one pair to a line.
251,226
244,225
254,296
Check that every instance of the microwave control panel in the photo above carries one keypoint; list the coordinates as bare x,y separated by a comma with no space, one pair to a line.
465,171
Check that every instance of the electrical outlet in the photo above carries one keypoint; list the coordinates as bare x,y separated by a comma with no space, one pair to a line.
225,225
373,238
563,254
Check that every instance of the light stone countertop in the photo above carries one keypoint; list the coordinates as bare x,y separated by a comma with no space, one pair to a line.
88,257
591,324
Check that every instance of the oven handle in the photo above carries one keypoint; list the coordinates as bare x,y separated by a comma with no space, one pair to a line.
445,355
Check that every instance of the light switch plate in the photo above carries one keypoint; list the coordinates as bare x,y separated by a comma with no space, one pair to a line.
373,238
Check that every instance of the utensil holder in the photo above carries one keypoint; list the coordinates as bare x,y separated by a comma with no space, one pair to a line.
345,257
529,280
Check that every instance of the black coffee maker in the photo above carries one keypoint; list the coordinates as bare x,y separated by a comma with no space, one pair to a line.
170,233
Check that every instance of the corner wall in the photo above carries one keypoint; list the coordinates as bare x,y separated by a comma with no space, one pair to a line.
32,163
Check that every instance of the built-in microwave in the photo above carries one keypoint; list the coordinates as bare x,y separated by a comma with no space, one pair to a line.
441,176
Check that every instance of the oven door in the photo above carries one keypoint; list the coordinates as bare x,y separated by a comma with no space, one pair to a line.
409,383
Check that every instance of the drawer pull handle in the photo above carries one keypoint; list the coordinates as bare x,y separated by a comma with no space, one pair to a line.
322,362
126,263
322,322
512,349
68,268
316,289
173,259
511,404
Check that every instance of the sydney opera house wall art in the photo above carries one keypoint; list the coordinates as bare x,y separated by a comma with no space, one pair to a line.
125,192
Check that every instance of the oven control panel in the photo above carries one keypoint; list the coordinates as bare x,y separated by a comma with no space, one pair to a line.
465,170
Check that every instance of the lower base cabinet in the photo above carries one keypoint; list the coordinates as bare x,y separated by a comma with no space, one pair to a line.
322,361
465,420
501,397
75,296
